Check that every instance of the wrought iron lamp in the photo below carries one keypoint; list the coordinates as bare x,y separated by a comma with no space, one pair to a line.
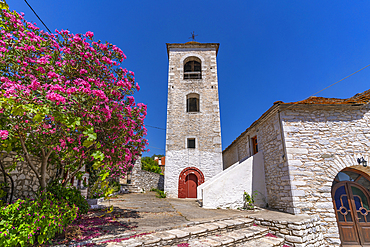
362,161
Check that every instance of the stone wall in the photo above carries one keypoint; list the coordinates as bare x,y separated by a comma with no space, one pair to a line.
300,166
25,181
296,233
204,125
322,141
144,180
269,136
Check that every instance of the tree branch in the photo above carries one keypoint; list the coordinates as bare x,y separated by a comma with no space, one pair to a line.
28,158
74,174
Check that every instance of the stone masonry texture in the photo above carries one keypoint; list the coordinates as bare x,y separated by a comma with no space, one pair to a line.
145,180
25,181
304,148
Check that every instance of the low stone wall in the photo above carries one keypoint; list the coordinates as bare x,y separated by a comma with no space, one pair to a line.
299,233
146,181
25,181
141,181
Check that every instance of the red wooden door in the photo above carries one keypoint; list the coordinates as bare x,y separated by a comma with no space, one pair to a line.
351,202
191,184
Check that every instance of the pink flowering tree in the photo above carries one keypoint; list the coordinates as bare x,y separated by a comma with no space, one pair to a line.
65,99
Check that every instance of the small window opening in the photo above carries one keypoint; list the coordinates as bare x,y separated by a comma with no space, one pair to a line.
191,142
192,102
255,145
192,70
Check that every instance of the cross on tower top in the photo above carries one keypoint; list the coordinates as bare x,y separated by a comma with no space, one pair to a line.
193,36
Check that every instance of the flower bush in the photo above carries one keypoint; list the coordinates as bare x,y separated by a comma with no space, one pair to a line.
71,194
28,221
65,99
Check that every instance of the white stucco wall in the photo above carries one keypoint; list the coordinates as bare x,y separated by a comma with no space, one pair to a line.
226,189
208,163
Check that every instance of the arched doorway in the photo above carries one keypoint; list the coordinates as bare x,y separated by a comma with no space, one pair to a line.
190,178
351,198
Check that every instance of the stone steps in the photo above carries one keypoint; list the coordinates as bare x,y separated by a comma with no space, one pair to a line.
130,188
230,232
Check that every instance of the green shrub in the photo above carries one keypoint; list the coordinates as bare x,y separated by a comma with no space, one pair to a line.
160,193
98,190
27,222
71,194
148,164
249,200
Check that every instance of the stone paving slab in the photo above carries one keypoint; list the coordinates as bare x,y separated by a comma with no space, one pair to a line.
248,234
149,239
220,225
207,242
195,230
255,243
272,240
209,226
166,236
178,233
235,222
258,229
246,221
235,235
224,240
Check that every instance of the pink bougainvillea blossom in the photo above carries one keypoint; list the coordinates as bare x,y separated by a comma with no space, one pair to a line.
68,100
4,134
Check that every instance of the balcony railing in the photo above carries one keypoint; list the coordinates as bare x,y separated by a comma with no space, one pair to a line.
193,75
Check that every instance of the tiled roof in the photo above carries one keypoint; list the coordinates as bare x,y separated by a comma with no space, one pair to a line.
360,98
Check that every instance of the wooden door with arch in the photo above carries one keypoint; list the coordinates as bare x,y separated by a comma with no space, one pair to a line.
351,204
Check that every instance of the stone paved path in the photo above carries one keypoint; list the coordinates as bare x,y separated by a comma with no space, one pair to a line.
158,215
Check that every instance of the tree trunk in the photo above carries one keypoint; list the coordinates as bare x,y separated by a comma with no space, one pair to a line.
5,181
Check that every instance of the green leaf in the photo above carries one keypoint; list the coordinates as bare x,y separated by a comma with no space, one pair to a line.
40,239
18,110
104,176
3,5
97,164
38,118
92,137
87,143
98,155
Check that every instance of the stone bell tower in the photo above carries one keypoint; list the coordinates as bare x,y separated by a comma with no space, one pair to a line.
193,135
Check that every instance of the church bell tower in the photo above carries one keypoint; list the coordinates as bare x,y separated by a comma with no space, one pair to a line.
193,133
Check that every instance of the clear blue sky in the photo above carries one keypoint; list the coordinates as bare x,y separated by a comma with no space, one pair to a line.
269,50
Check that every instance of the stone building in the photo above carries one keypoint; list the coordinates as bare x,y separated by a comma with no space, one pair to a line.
193,137
304,157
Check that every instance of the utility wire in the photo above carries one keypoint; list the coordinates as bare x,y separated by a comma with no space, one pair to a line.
339,81
154,127
37,16
155,147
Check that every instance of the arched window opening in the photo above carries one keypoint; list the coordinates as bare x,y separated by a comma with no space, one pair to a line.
193,69
192,102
